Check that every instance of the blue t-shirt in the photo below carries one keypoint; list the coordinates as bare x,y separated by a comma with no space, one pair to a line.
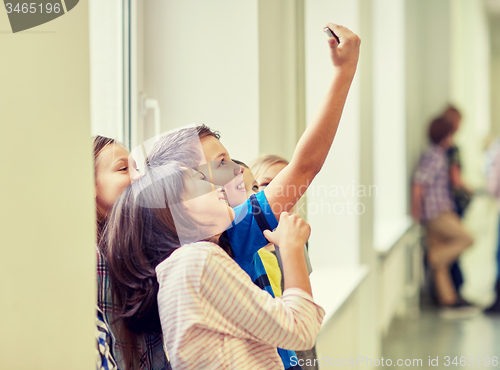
246,238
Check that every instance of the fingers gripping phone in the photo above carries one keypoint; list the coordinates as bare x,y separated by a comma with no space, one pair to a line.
330,33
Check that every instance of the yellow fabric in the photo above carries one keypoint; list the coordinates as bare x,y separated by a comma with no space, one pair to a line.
273,270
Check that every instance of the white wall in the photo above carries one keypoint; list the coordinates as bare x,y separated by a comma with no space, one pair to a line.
427,71
201,63
448,62
470,83
281,76
47,268
470,89
106,68
495,74
389,121
335,237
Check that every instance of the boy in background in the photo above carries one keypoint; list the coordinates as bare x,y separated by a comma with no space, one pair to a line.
432,205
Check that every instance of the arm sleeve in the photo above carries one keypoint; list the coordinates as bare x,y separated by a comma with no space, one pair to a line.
251,219
292,322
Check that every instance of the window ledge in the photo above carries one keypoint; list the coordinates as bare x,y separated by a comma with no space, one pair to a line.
389,232
332,287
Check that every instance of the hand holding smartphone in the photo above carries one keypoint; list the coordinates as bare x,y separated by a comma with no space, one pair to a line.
330,33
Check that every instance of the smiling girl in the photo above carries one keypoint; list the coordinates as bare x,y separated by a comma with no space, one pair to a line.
210,313
114,170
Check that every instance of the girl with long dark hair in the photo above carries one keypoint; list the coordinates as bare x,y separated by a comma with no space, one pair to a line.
114,170
170,273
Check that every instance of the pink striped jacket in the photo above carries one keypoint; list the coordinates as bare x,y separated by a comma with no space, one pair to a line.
214,317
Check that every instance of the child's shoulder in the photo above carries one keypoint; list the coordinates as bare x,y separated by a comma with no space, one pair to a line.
190,255
196,250
254,208
201,247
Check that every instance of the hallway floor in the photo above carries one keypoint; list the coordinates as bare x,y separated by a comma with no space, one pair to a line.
431,337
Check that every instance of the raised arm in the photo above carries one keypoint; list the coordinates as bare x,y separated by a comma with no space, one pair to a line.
313,147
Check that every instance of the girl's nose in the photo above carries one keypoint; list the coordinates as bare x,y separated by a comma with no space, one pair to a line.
238,170
135,175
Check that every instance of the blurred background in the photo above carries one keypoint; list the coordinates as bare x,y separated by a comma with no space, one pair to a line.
255,70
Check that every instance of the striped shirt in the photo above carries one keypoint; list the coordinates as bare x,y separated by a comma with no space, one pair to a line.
214,317
433,174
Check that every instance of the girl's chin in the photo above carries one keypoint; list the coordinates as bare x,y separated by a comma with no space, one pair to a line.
222,219
237,198
216,231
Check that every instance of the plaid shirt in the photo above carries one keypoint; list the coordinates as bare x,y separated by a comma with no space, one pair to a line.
433,174
151,346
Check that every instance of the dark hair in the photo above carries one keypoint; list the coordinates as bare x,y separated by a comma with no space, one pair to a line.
205,131
239,162
141,233
172,147
452,114
178,147
439,129
451,109
136,239
99,143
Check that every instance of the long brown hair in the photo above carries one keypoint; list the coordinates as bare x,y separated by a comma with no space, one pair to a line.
99,143
172,147
142,231
139,234
439,129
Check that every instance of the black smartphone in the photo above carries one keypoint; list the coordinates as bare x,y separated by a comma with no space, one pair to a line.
330,33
